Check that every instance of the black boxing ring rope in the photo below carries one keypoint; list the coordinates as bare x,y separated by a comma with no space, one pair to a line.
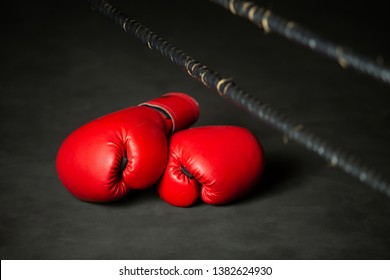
269,22
229,90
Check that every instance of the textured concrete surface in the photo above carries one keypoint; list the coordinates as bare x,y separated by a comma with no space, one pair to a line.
63,64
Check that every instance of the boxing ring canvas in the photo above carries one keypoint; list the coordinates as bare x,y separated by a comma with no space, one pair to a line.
63,64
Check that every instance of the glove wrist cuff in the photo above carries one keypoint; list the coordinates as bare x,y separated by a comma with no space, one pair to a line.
182,109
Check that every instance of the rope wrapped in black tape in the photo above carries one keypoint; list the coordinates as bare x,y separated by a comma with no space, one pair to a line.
229,90
270,22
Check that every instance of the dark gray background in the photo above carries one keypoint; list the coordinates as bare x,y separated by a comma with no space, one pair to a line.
63,64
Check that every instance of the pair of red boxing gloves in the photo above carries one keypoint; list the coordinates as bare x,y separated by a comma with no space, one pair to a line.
151,144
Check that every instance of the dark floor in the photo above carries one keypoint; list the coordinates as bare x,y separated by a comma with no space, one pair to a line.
63,64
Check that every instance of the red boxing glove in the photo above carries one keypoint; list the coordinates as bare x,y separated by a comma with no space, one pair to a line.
219,163
106,158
